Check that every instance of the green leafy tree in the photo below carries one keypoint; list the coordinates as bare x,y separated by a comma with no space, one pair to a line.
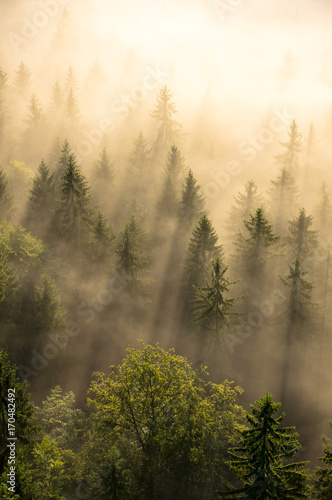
262,462
6,197
283,195
12,388
73,212
192,201
170,427
289,159
169,130
49,470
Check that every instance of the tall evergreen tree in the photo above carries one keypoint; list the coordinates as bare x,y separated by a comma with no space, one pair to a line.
132,260
73,213
71,80
73,114
252,252
169,130
34,134
41,201
283,195
192,202
262,462
139,159
104,168
168,202
62,163
245,204
202,249
323,474
175,163
289,159
49,313
22,79
6,198
211,307
302,240
102,238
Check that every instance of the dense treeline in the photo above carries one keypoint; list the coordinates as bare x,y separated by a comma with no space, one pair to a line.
99,249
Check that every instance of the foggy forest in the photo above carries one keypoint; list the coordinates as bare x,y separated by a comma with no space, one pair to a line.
165,249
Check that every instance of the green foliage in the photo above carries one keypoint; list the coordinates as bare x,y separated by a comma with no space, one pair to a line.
283,195
22,79
59,420
139,159
6,198
171,428
49,314
262,461
24,409
49,470
323,474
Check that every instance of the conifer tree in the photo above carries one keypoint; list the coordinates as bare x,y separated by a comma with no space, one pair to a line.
289,159
211,307
49,313
71,80
41,201
35,128
72,114
73,213
104,168
6,198
175,163
262,462
169,130
168,202
245,204
132,260
57,97
323,474
102,238
323,211
252,252
302,240
22,79
192,202
202,249
140,159
283,195
62,163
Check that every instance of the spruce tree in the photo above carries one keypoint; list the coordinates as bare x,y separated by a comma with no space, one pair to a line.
101,240
202,249
302,240
168,202
289,159
192,202
246,203
35,128
71,80
104,168
41,201
211,307
169,130
283,195
73,214
62,162
22,79
49,313
6,198
175,163
131,259
252,252
139,159
262,462
72,114
323,474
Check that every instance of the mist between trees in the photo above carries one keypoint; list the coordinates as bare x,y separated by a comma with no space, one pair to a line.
148,196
